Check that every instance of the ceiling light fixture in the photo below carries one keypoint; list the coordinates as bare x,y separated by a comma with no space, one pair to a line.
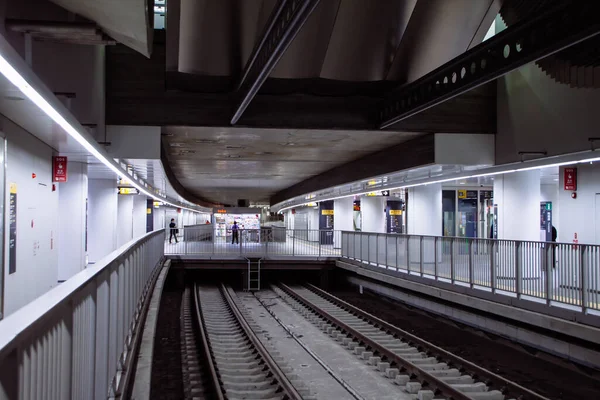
16,79
509,171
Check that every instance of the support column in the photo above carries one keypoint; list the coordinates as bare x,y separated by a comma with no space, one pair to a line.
342,218
517,196
102,218
71,243
424,210
373,214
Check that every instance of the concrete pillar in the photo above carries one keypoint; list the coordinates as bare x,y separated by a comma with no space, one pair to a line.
139,216
124,219
102,218
424,210
72,197
342,218
373,214
517,196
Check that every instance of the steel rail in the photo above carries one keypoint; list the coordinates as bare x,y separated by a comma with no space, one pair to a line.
508,388
214,376
278,374
428,381
562,26
287,20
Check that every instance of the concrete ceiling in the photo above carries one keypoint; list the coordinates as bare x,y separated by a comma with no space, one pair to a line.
127,21
227,164
347,40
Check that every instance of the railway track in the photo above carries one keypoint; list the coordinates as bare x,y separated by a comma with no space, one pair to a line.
240,366
423,369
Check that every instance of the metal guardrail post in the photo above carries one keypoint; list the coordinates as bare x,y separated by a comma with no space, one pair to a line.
583,278
386,252
368,248
422,255
320,242
397,253
294,243
518,269
377,249
471,267
435,257
452,260
549,273
408,254
493,266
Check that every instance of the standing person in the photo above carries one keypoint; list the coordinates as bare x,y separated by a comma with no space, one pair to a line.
235,233
173,230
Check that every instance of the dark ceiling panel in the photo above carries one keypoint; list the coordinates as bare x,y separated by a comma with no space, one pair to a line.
226,164
413,153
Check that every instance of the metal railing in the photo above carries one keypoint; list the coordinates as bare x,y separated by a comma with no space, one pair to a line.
553,272
264,242
75,341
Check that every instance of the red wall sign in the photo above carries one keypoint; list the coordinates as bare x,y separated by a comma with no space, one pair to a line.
570,179
59,169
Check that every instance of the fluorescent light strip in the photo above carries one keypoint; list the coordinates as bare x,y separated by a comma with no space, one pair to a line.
16,79
314,199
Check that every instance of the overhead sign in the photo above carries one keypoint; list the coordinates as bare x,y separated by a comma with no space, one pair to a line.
326,212
221,211
570,178
126,190
59,169
384,193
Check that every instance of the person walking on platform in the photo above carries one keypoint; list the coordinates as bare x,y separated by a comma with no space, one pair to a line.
173,230
235,233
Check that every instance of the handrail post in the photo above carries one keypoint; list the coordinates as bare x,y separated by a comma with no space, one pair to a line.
241,240
422,255
471,268
518,271
435,257
294,242
320,243
377,249
583,279
452,240
397,253
369,249
549,272
386,251
408,254
492,266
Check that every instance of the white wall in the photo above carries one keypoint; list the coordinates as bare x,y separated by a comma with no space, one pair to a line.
159,217
139,216
579,215
424,210
373,214
124,219
535,113
37,218
549,192
71,223
518,198
342,217
102,218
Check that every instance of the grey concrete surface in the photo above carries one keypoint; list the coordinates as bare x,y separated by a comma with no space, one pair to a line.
364,379
143,370
515,333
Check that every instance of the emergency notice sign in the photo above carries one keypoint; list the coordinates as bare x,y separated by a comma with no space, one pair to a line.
59,169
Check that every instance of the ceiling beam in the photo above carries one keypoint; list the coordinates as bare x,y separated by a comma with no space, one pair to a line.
530,40
416,152
284,24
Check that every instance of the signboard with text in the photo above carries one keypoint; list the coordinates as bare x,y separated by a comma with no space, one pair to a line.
59,169
570,179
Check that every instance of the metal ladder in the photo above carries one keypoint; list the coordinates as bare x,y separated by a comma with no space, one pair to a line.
253,274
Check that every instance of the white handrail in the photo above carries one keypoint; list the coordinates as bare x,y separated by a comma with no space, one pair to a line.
77,331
